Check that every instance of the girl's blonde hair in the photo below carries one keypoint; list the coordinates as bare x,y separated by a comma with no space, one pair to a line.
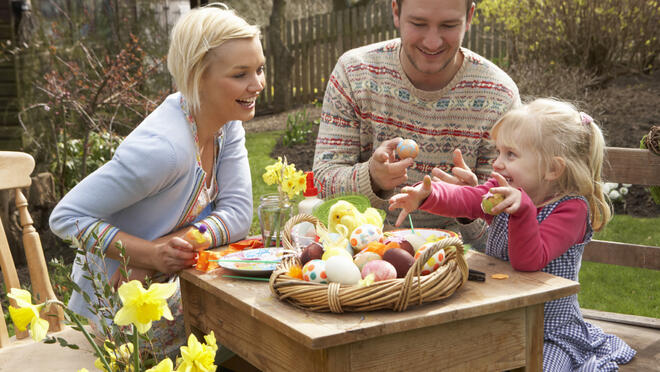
556,129
193,36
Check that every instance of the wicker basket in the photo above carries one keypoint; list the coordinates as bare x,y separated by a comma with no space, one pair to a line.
396,294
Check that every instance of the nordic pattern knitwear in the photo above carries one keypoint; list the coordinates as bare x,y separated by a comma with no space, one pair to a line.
369,99
570,343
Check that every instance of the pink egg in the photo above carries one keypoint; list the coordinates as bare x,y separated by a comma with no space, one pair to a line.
381,269
407,149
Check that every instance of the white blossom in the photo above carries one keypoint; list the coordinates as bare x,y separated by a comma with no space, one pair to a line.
608,186
614,195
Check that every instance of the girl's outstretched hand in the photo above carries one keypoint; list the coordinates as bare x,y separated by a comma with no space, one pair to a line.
410,199
512,196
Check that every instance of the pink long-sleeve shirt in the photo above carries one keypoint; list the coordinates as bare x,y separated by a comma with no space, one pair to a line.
532,245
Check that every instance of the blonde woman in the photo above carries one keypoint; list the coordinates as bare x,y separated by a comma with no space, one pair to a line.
185,164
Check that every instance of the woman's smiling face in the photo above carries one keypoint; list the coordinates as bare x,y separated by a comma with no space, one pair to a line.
233,80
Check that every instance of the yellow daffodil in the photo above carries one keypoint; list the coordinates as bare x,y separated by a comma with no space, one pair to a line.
197,357
288,171
210,341
123,354
82,370
141,307
289,180
26,313
270,177
165,365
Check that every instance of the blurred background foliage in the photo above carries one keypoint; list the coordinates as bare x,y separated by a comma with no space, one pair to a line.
90,71
599,35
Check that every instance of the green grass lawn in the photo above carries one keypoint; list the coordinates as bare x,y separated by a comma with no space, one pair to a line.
622,289
259,146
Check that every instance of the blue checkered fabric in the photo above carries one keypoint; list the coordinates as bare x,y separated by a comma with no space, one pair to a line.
570,343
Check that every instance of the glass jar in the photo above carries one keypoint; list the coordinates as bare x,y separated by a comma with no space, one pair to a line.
273,212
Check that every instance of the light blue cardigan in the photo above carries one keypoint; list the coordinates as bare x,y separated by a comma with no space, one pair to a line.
149,188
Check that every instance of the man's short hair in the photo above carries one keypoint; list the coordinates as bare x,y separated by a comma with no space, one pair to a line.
468,5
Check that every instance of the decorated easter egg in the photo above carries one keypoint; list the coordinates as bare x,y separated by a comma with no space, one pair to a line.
400,259
312,252
364,235
433,263
381,269
407,149
362,258
314,271
489,201
341,269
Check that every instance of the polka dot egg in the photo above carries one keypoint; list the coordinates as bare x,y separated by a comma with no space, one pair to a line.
433,263
314,271
407,149
364,235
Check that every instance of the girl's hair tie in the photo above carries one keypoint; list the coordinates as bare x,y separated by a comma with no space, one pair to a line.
586,119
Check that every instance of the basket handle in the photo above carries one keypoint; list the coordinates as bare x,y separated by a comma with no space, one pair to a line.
287,239
416,269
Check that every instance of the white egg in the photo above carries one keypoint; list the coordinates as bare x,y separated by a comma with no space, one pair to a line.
341,269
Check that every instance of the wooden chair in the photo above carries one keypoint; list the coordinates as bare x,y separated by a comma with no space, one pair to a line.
15,170
639,167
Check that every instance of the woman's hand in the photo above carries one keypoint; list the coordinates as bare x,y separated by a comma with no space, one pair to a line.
461,175
410,198
512,196
173,254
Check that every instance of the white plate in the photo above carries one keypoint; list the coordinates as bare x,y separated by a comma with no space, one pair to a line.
254,268
425,233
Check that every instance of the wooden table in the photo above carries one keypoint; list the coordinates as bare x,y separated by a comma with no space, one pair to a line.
493,325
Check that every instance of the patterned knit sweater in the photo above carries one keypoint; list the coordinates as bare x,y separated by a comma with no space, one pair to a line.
369,99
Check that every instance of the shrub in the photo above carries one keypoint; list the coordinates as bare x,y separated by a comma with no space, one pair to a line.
298,128
85,80
599,34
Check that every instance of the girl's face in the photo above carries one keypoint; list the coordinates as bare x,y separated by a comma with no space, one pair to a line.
233,80
521,169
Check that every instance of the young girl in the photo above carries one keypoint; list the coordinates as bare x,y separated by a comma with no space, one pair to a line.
548,170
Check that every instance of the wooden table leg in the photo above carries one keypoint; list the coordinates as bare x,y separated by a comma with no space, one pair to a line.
534,339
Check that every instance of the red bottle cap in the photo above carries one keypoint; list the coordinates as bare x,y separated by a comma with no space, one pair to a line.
310,190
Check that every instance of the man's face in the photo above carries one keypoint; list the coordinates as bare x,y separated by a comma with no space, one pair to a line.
431,34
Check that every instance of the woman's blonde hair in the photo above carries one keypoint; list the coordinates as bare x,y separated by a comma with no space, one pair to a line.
555,129
193,36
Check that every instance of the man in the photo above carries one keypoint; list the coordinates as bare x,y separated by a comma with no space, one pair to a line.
423,86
